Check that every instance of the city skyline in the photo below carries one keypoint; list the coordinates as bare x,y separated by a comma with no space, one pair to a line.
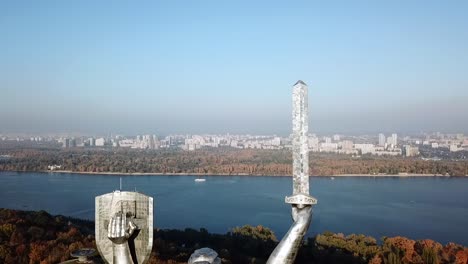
215,68
393,145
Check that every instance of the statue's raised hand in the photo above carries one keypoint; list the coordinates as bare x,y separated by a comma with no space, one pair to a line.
120,229
302,217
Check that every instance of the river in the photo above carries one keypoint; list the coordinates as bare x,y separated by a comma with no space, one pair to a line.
415,207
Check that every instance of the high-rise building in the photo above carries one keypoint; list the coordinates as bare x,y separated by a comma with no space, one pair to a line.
394,139
66,143
155,142
72,143
381,140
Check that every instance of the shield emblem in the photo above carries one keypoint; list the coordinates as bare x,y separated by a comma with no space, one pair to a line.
139,209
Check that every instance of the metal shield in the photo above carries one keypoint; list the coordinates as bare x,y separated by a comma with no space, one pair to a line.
139,208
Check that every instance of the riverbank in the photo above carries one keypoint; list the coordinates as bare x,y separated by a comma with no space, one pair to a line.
237,174
394,175
222,162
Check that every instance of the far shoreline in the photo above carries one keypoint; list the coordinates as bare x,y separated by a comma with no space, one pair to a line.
402,175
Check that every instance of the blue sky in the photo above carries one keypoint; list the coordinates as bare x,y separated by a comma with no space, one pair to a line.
228,66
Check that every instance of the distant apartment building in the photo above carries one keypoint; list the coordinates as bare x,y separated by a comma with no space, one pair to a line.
389,141
156,143
72,143
328,147
142,142
276,141
126,143
234,143
68,142
346,145
394,139
191,144
411,151
313,144
81,142
100,142
65,142
454,148
382,140
465,143
164,143
380,151
365,148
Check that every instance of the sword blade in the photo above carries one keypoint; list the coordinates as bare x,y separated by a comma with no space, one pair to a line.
300,140
300,147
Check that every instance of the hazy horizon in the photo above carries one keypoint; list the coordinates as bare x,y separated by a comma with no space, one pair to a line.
212,67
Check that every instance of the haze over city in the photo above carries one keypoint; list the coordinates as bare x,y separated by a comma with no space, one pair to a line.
212,67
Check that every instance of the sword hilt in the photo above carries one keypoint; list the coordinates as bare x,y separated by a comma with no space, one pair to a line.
300,200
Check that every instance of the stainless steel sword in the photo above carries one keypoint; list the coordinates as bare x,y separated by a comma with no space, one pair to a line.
287,249
300,148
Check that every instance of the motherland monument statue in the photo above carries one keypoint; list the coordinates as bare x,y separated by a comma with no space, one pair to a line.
124,220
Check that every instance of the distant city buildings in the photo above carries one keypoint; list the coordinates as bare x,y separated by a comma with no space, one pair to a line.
333,144
378,144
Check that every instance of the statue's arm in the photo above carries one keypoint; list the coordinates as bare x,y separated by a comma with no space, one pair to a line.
286,251
119,230
122,254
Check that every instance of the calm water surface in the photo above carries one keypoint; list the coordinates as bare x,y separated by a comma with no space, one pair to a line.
416,207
